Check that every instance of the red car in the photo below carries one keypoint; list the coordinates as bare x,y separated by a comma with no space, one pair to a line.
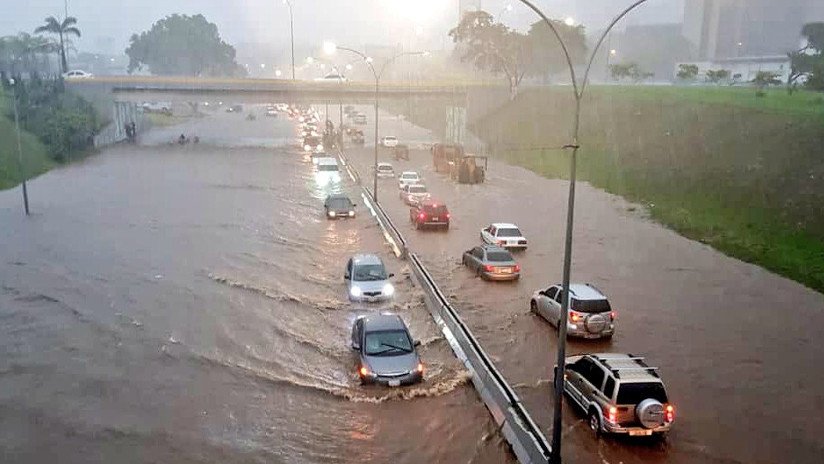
429,213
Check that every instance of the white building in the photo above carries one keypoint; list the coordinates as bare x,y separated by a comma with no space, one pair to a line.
745,68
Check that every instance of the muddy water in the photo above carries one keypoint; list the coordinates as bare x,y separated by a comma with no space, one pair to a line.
738,347
186,304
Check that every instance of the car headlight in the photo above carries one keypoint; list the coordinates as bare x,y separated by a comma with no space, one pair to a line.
332,214
388,289
307,147
355,291
351,214
320,147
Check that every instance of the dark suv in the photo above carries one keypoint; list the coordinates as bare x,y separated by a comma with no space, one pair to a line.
429,213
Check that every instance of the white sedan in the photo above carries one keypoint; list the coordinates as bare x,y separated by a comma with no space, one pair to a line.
408,178
389,141
504,235
77,74
413,194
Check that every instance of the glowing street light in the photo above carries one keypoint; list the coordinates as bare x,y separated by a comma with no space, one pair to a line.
348,66
569,21
329,47
278,73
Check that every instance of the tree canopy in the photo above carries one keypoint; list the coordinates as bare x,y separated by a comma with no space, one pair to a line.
182,45
545,52
63,30
809,61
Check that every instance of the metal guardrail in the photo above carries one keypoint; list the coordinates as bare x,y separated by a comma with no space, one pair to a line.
519,430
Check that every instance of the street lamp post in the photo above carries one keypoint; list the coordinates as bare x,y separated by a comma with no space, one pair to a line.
578,89
330,48
19,146
291,34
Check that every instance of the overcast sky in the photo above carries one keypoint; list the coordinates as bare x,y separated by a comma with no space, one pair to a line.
108,24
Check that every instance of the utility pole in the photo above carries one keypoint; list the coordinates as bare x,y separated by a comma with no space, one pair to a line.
19,146
291,33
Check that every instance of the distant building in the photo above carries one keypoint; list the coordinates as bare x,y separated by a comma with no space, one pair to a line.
743,69
654,47
724,29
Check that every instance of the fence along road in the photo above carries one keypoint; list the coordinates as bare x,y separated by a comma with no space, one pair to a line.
518,428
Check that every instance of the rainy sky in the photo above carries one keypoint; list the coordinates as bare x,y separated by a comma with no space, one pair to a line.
108,24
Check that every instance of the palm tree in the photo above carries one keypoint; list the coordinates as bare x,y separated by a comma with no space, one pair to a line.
63,30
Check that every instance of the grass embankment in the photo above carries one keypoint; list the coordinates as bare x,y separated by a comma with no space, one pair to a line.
35,155
744,174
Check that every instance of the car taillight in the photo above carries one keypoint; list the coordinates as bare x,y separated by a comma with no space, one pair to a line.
488,268
517,268
613,315
448,215
612,414
575,317
422,216
669,414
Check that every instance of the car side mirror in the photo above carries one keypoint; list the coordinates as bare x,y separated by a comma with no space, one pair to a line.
355,346
354,205
391,275
417,343
346,276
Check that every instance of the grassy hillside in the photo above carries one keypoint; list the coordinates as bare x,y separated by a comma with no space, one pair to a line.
36,158
742,173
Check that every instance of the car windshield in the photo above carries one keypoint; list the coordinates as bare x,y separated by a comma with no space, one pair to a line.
591,306
498,256
634,393
340,203
327,167
369,272
387,343
417,189
409,176
509,232
384,168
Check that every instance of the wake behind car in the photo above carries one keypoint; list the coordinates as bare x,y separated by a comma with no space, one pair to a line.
339,206
386,351
413,194
619,393
367,280
429,213
504,235
491,262
589,314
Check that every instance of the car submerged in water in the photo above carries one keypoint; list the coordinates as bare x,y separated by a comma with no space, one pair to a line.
386,351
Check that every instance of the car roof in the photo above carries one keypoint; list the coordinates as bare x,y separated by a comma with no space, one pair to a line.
489,247
328,160
374,322
385,164
336,196
584,292
627,367
504,225
364,258
389,137
410,172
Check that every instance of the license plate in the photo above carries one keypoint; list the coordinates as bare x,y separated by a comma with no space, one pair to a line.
436,219
505,270
640,433
394,383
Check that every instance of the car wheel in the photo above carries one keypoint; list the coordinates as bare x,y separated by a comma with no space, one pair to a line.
594,423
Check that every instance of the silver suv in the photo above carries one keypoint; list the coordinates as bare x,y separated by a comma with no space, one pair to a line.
620,394
589,313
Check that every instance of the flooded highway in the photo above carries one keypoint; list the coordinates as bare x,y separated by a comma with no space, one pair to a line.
738,347
186,304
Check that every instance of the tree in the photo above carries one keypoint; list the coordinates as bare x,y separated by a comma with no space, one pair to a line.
63,30
182,45
546,56
633,71
492,47
716,76
687,72
808,62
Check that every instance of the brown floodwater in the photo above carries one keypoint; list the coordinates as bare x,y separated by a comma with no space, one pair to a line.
186,304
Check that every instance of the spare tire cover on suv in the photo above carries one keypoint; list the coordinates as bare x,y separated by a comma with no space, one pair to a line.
595,323
650,413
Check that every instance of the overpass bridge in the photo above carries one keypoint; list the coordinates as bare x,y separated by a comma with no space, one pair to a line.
138,89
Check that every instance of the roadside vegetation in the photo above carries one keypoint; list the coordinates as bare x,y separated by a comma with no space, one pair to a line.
740,172
37,159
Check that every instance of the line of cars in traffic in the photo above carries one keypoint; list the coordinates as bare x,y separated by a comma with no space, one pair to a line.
385,351
619,393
